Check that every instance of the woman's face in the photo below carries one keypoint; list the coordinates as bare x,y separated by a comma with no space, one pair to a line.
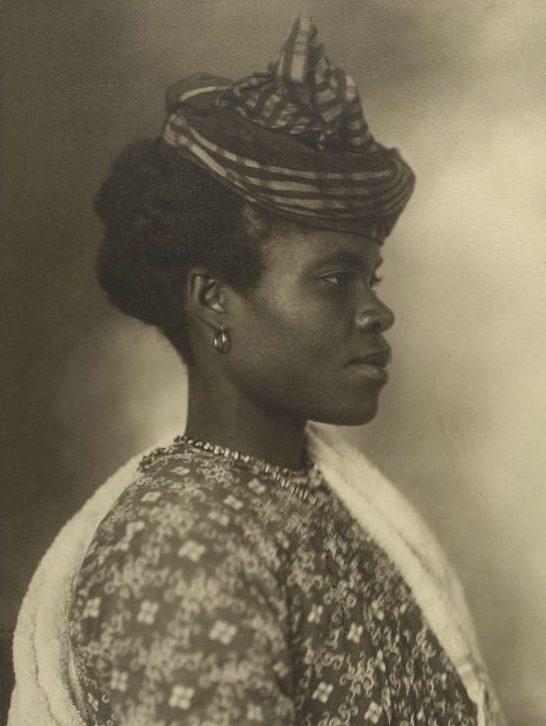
308,339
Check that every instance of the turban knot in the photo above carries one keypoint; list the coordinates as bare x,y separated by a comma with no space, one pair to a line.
304,95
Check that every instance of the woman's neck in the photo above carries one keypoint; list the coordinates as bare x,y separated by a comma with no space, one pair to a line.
223,415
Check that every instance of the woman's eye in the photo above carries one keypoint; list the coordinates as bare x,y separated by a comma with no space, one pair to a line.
336,278
343,279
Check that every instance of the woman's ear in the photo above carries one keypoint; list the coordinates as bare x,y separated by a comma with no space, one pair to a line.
206,297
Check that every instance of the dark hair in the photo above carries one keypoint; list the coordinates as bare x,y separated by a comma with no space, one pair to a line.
163,215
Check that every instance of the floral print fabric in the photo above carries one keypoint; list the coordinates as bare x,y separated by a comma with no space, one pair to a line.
209,596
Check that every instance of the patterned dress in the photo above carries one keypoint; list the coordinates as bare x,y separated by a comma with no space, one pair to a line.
210,596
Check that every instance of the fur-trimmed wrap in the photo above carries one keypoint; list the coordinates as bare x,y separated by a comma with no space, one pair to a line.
46,691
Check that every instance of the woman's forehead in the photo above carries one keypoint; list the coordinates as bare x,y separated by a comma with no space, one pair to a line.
308,248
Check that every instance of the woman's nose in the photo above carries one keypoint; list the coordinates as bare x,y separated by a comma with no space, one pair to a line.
373,316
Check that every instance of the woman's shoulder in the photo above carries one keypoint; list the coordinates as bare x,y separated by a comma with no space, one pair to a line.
174,488
181,508
180,564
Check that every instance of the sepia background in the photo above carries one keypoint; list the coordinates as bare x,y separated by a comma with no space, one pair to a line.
460,87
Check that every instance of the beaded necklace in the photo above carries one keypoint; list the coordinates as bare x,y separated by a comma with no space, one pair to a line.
299,482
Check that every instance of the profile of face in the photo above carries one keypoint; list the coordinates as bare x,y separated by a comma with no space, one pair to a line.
307,340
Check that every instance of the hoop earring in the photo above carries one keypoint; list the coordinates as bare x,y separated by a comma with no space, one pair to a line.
221,340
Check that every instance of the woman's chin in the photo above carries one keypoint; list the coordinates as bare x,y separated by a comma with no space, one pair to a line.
355,414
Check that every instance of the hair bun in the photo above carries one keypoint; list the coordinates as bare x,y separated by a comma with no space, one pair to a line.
162,215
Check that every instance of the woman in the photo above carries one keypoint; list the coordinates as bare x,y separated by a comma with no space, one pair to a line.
252,571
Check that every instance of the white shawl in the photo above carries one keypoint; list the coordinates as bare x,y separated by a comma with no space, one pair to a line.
46,692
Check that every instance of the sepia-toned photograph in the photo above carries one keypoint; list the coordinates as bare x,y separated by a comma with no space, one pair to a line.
273,363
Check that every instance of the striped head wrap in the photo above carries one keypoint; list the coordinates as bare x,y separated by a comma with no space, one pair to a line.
293,140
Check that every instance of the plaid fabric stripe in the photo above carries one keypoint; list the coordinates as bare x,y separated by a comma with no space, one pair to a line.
322,194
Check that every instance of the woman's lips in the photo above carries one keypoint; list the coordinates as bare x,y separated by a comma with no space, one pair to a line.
372,365
378,358
370,370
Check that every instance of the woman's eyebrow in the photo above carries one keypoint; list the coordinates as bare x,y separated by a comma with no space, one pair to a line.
339,258
350,259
